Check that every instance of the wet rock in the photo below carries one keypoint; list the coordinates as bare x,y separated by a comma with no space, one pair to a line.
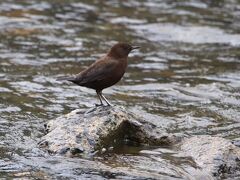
214,155
88,132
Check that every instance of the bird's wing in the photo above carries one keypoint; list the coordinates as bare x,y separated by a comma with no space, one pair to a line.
96,72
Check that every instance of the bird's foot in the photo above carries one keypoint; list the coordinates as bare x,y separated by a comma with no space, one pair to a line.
98,105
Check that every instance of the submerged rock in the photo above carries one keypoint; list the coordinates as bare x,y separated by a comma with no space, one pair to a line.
100,128
214,155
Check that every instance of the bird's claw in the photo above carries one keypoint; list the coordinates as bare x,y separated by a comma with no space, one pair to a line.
98,105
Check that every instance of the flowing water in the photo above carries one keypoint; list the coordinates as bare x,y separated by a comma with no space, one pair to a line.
186,76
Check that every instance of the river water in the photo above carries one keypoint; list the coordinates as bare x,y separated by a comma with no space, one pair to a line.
186,76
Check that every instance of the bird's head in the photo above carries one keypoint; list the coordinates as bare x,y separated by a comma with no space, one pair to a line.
121,50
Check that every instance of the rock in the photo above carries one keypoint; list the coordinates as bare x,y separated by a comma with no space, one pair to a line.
100,128
215,155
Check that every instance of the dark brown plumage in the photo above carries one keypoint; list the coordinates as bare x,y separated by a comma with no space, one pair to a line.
105,72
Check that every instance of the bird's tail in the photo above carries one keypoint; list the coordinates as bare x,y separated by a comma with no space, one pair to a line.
65,78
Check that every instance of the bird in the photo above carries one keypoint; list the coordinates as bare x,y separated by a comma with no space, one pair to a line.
105,72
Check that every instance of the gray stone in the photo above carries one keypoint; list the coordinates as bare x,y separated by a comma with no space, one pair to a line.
88,132
100,129
214,155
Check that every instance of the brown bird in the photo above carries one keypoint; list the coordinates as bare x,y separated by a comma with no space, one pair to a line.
105,72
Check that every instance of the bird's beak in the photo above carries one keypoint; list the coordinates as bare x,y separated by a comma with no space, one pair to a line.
135,47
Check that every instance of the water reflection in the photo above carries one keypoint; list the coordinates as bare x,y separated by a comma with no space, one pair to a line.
185,77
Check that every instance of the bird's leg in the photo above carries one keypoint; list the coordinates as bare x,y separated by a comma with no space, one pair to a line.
108,103
99,96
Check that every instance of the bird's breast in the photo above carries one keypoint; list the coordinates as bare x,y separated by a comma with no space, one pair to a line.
118,72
